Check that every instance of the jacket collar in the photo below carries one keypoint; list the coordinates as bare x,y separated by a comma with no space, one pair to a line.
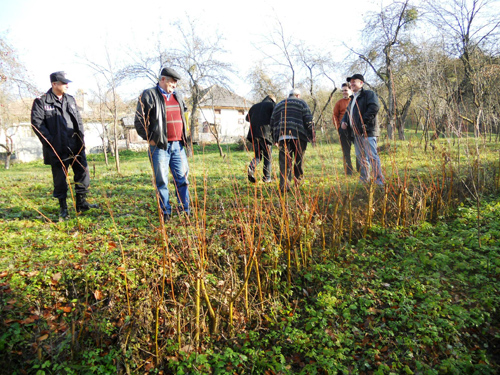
361,93
163,92
50,98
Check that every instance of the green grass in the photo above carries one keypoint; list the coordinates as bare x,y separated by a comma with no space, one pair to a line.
351,280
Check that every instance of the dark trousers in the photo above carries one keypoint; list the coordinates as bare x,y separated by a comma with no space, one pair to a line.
345,142
82,179
262,150
291,152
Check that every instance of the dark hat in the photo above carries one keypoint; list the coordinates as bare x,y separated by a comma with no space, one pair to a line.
169,72
356,76
59,77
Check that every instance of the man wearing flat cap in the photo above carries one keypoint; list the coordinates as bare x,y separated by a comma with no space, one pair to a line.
360,119
159,119
57,123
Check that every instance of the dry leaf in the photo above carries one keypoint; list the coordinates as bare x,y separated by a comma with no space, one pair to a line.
98,295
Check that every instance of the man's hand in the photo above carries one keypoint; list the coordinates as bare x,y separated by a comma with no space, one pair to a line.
344,125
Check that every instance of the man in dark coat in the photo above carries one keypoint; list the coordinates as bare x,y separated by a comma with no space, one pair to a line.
160,120
259,134
292,128
58,124
361,119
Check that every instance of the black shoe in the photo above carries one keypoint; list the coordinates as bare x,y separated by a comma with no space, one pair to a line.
166,218
82,205
267,180
63,210
251,175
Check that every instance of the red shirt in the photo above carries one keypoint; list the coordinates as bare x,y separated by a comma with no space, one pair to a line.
339,110
174,119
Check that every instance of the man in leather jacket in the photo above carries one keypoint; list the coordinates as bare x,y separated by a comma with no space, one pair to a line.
159,119
57,123
361,120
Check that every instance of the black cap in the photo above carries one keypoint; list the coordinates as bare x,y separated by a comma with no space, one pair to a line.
169,72
356,76
59,77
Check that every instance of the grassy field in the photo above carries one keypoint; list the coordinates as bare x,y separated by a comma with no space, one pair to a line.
334,277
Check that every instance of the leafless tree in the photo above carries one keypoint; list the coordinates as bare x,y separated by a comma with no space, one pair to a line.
199,57
386,36
471,29
279,48
193,52
14,87
213,123
263,83
111,77
100,114
288,59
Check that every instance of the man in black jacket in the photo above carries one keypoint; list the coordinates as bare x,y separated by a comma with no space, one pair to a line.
259,134
159,119
361,119
292,128
58,124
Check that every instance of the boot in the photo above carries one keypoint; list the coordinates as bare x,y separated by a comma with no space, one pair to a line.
251,172
82,205
63,211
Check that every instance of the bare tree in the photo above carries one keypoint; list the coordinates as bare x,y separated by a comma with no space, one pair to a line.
263,84
198,58
290,60
386,35
112,78
471,29
213,124
282,53
14,86
100,115
195,53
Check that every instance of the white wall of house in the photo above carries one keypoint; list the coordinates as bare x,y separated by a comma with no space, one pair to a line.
28,148
232,124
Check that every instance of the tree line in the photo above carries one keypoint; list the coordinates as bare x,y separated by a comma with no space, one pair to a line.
435,68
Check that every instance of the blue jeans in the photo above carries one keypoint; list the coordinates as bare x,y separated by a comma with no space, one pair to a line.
366,153
174,157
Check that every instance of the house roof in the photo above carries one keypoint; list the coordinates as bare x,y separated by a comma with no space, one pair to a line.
217,96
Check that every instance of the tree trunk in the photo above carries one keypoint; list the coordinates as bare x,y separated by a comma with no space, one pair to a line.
390,127
8,148
7,160
117,154
105,150
401,119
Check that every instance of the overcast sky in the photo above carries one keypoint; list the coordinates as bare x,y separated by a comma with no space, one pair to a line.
48,35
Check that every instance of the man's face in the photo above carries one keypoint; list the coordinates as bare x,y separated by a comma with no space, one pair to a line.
356,84
59,88
346,92
168,84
